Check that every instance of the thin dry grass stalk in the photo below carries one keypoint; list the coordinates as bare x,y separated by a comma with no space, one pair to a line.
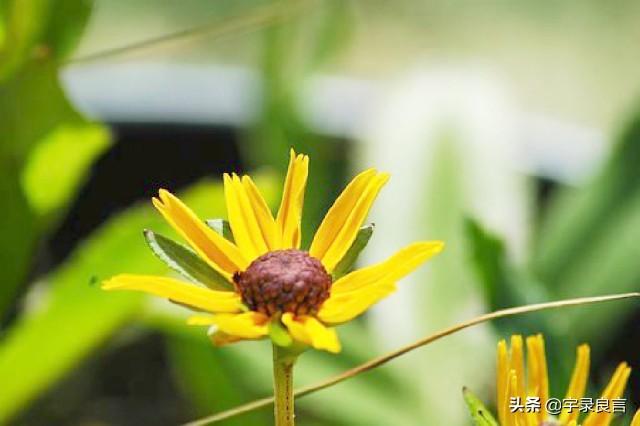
383,359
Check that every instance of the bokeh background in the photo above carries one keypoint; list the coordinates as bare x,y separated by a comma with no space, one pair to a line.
511,130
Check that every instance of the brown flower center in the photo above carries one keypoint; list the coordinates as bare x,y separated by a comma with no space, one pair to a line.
284,281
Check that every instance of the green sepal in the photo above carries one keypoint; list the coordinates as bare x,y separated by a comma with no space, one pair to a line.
222,227
278,334
187,263
350,257
479,413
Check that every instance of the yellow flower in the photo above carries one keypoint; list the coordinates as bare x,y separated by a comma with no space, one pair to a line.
275,286
513,385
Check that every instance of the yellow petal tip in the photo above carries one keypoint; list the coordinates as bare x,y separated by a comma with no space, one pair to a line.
110,284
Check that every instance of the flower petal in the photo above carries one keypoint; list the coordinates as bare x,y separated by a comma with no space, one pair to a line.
516,364
513,384
263,214
341,224
244,224
200,320
220,338
289,217
537,376
344,307
308,330
338,213
394,268
178,291
636,419
614,390
578,383
502,373
221,254
247,325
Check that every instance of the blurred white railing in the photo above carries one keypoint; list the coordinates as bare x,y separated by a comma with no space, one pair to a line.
148,92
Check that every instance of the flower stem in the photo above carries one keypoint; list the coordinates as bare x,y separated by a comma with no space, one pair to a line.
283,362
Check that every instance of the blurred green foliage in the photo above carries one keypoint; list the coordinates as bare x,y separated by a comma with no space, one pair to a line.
586,245
36,38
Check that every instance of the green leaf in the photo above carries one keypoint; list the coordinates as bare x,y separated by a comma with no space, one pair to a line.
479,413
24,120
25,22
589,240
351,256
67,21
37,29
501,283
32,106
487,255
17,227
3,17
202,372
64,156
578,219
25,123
278,334
75,317
184,261
222,227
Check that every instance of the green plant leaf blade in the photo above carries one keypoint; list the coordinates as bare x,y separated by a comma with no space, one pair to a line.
76,316
67,22
351,256
64,157
206,376
278,334
578,219
222,227
588,240
479,413
184,261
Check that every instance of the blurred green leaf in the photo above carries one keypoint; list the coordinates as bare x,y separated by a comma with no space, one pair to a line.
502,284
184,261
32,106
67,21
487,256
479,413
579,218
22,124
50,176
76,316
222,227
203,372
18,236
3,17
610,265
589,240
351,256
63,157
331,30
39,29
24,24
